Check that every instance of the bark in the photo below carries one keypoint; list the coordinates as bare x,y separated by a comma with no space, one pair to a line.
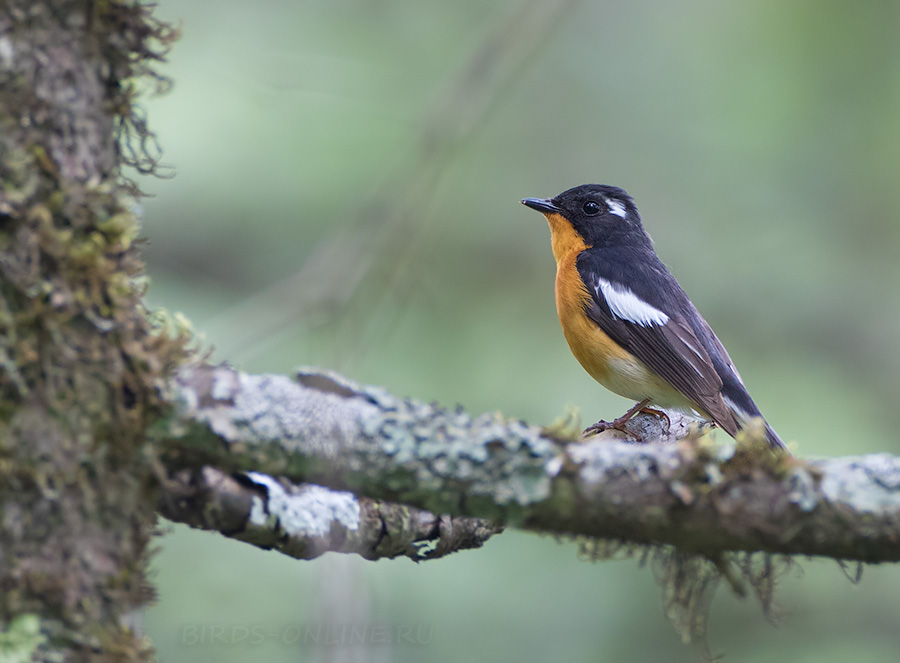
305,521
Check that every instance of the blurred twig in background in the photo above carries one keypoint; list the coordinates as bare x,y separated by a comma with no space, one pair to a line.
362,274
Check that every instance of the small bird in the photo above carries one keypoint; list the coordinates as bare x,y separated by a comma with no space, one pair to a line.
627,320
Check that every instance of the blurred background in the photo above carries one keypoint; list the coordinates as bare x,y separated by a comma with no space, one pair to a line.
345,194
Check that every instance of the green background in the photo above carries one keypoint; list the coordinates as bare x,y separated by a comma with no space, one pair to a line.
381,147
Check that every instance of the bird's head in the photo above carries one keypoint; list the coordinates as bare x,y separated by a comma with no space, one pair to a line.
599,215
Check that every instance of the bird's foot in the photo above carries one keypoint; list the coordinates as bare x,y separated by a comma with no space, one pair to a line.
620,423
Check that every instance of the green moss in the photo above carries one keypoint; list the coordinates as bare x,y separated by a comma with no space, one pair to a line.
21,639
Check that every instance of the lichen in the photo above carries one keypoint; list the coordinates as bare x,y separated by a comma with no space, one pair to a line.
870,484
21,639
309,510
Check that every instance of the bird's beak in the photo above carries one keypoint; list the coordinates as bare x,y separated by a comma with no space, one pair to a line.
542,205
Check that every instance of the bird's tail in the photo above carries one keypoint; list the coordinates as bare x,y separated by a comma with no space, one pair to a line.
743,414
772,438
740,419
774,441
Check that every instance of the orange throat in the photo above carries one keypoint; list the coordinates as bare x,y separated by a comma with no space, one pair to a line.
563,238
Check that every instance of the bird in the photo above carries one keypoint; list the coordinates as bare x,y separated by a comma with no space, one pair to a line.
628,321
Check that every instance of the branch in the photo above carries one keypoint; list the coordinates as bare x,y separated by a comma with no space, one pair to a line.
703,499
306,520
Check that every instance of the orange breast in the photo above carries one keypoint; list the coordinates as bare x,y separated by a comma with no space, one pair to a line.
590,345
604,360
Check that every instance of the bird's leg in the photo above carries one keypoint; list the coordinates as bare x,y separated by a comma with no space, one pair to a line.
619,423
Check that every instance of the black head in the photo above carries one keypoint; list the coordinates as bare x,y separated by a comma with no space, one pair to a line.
600,213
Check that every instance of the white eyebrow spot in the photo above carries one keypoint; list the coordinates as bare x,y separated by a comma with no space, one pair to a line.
616,207
626,305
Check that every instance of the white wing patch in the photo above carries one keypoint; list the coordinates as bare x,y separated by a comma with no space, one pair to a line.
626,305
616,207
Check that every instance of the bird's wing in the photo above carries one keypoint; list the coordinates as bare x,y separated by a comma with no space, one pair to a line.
662,339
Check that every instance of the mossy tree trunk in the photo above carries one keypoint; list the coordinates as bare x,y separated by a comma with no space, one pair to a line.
81,363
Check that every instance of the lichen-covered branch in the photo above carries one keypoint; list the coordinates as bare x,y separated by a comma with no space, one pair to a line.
306,520
702,498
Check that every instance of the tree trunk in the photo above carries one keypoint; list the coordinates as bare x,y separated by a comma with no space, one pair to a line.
80,363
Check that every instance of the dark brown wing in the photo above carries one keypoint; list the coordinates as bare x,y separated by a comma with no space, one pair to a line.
672,351
639,304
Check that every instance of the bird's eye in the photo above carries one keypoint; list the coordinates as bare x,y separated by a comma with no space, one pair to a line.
591,208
